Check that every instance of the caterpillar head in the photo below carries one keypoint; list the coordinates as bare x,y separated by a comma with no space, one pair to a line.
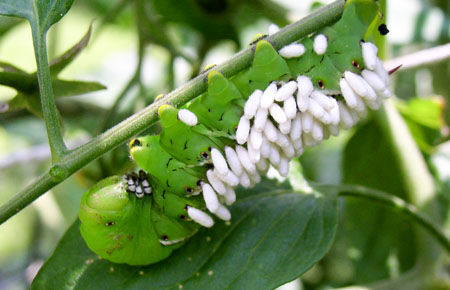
123,226
116,225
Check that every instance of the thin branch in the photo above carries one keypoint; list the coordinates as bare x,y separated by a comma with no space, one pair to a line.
141,120
420,58
55,139
170,72
398,204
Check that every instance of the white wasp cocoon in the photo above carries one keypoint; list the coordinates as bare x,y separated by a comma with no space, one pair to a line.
320,44
252,104
283,167
244,180
282,140
296,127
210,197
253,154
373,80
200,217
215,181
245,160
381,72
356,83
369,52
277,113
265,148
289,150
290,107
285,127
334,115
274,156
270,131
371,95
304,90
348,93
223,213
316,109
243,130
346,118
256,138
325,101
286,91
326,118
360,107
268,96
230,178
233,160
354,114
292,50
307,120
230,197
317,131
298,146
187,117
219,162
260,119
273,28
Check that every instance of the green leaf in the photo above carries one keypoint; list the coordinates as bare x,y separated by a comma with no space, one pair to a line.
59,63
6,23
29,99
424,118
65,88
274,237
376,236
42,14
20,81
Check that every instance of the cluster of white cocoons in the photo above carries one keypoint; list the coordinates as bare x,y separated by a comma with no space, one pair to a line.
284,119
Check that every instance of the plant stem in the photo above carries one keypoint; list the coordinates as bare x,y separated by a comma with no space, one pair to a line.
420,58
136,123
398,204
55,140
170,73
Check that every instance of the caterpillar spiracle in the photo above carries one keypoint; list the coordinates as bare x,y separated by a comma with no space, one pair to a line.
288,100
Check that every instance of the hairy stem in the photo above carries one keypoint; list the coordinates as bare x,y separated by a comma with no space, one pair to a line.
50,113
136,123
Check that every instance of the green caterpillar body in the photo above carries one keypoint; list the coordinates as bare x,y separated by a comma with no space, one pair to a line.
124,226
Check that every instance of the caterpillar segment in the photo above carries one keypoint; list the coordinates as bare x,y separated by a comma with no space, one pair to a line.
287,101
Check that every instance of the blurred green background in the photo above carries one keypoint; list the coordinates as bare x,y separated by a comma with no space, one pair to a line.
174,43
